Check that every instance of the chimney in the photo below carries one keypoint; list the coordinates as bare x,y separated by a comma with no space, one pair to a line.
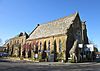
38,24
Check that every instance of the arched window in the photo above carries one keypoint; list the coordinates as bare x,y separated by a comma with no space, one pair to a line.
55,51
44,54
29,51
17,41
44,46
36,50
22,40
40,46
49,48
60,46
30,46
8,49
11,43
49,45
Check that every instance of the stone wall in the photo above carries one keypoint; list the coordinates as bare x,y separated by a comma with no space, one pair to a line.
13,42
49,41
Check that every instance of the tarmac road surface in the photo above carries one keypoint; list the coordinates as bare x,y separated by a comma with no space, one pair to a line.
47,66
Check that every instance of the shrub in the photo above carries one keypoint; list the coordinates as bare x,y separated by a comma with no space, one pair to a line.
21,58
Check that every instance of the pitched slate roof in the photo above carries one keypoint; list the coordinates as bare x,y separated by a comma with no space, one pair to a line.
53,28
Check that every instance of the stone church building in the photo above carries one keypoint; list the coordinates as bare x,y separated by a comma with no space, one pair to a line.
53,40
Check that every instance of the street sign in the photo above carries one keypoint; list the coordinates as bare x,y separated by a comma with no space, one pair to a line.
90,46
47,51
80,45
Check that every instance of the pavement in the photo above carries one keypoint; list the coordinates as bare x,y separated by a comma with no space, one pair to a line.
15,59
26,60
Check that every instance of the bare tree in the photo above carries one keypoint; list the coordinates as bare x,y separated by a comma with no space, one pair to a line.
95,45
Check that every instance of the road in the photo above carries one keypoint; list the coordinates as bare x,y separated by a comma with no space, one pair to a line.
14,66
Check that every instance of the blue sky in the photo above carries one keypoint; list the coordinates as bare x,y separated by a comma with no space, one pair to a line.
23,15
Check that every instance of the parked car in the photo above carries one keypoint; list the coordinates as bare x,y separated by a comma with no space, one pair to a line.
3,54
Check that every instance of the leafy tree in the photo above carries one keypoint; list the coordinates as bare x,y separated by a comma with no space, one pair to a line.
95,49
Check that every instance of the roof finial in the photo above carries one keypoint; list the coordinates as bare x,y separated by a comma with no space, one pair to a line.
84,22
76,12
